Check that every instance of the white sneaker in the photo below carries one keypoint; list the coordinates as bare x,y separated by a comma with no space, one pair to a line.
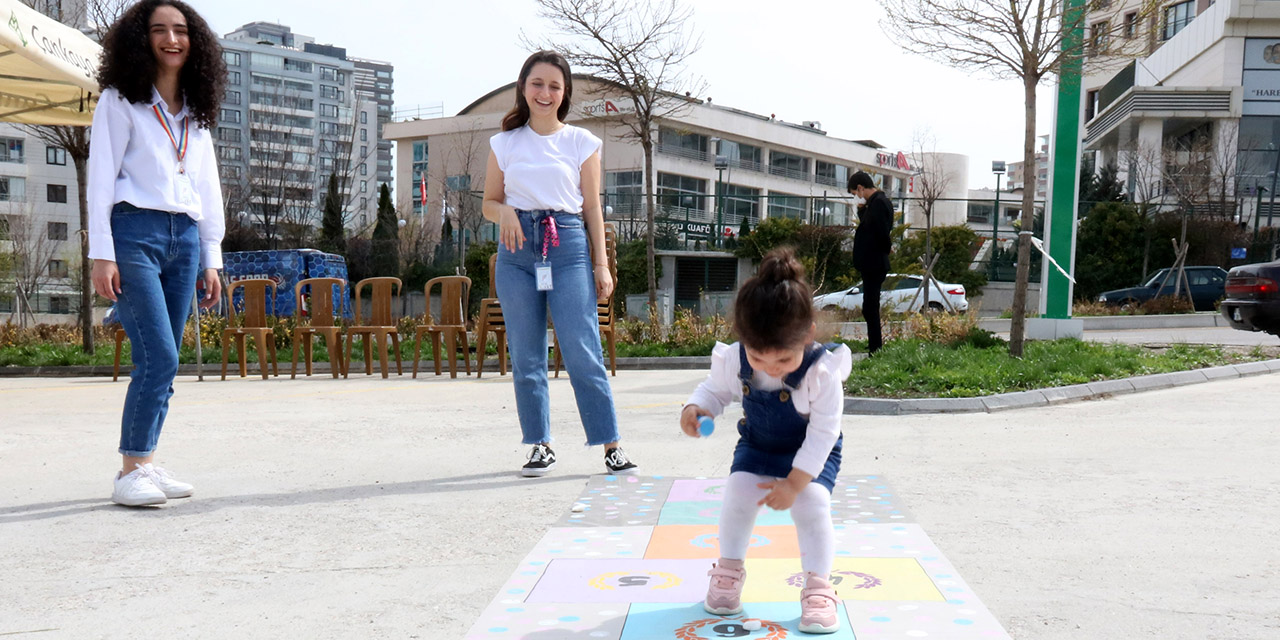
135,489
170,486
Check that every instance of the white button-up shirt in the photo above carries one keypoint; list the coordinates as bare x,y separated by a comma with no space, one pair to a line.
131,159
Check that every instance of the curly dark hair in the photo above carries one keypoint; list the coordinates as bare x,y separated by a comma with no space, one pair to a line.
130,67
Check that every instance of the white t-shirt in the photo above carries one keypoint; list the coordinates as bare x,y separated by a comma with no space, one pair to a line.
544,172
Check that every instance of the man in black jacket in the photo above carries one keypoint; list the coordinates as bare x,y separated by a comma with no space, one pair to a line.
871,248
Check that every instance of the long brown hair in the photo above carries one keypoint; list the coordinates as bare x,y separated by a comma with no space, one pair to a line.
519,116
774,308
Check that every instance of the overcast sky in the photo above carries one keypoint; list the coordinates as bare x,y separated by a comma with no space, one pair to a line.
824,60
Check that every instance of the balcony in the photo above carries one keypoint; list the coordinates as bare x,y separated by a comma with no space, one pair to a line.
792,174
683,152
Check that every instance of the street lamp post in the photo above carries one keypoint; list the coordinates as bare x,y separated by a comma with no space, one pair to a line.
997,167
721,163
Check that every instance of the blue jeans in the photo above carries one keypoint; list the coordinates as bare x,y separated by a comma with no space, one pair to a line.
158,256
572,301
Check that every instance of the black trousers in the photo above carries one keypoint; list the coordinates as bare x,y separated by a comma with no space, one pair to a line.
871,283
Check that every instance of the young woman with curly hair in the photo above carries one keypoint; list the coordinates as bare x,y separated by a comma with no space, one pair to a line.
155,211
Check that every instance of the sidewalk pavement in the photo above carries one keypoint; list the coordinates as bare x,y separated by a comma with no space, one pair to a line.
372,508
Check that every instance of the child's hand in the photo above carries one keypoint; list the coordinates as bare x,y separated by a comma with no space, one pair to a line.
781,496
689,419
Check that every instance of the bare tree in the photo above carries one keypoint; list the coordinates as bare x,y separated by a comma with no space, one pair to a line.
932,182
31,252
1023,39
640,49
464,167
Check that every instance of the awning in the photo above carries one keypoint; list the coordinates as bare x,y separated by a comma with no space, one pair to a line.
47,69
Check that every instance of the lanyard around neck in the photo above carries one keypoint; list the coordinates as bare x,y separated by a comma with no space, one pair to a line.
179,143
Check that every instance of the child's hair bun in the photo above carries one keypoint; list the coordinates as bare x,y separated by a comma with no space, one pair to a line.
780,265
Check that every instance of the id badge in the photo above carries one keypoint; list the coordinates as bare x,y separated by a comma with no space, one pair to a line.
543,274
182,189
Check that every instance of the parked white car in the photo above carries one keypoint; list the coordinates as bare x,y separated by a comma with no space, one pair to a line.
898,291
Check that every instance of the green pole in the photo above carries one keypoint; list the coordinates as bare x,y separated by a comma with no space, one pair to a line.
995,234
1060,220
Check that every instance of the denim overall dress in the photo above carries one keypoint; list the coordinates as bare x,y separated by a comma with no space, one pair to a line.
772,431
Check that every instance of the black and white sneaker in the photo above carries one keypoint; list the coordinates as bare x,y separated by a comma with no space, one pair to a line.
616,461
541,460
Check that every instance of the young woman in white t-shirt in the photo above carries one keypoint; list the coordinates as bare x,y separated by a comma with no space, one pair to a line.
542,188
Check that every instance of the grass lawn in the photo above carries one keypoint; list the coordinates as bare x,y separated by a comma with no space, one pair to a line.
918,369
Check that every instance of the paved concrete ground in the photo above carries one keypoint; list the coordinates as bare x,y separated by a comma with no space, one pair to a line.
1202,335
390,509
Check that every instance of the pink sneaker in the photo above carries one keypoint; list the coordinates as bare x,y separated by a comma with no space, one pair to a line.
724,592
818,610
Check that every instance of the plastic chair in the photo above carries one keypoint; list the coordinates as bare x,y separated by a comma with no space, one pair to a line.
253,325
323,323
455,292
605,314
491,321
381,326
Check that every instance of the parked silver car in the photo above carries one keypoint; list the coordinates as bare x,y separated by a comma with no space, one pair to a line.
898,293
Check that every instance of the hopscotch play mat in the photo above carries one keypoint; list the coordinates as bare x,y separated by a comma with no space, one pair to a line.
629,561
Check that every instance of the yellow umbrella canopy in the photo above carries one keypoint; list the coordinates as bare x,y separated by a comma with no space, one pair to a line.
47,69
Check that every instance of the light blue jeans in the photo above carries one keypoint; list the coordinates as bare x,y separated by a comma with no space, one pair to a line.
158,256
572,301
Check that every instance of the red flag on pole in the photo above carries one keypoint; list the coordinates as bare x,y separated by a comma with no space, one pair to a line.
422,191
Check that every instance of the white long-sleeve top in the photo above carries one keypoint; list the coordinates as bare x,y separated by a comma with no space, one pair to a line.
131,159
820,397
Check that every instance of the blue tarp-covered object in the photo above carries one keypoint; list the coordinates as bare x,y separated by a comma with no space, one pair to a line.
286,267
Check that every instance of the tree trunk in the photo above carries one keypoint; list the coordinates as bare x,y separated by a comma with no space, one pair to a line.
86,277
1030,175
646,143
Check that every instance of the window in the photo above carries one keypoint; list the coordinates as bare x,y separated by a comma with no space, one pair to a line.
364,117
277,100
233,77
364,203
740,201
230,116
232,58
364,135
682,192
685,144
11,149
788,166
330,129
622,191
458,183
59,304
329,92
56,193
229,172
742,155
230,153
55,155
329,110
980,212
786,205
1099,33
1176,17
364,151
13,189
58,230
301,66
1131,25
233,97
266,61
420,150
1091,105
832,175
329,73
364,186
57,269
228,134
342,77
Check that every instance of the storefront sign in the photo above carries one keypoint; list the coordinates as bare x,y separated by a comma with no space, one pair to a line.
607,107
1261,77
898,161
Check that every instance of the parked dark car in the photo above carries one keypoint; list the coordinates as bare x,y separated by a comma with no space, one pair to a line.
1253,297
1206,288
